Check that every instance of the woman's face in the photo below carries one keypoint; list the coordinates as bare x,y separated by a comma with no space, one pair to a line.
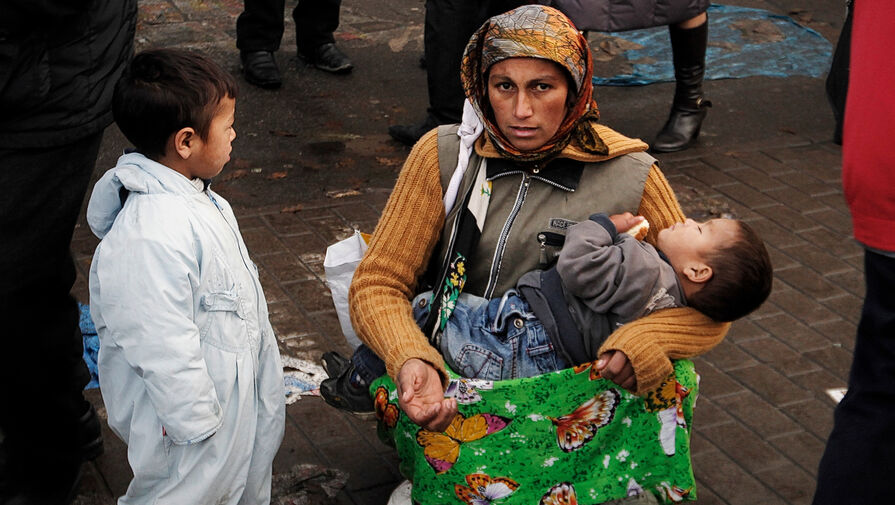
528,97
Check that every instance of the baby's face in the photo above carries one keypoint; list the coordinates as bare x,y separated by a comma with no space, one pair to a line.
692,240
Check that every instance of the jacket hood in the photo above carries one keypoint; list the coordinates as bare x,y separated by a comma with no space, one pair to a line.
134,173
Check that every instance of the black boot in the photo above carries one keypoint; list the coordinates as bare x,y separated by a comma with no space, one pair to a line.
689,107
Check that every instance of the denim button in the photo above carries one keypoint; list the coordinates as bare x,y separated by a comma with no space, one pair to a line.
518,323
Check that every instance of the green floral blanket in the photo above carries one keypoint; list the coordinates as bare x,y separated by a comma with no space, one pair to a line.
567,437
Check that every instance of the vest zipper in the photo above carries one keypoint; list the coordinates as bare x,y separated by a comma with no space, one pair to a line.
504,233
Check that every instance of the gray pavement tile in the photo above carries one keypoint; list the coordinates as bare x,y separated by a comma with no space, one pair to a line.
822,259
791,482
771,385
796,334
819,381
713,382
761,417
810,283
731,482
835,359
743,446
839,332
727,356
708,413
815,415
803,307
780,356
744,330
804,448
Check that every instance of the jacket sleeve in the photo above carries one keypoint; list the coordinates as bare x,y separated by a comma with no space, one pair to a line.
652,341
610,275
147,281
404,239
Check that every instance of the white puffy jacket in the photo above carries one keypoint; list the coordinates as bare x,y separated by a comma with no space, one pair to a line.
188,362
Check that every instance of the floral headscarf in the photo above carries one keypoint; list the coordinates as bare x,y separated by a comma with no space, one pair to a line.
534,31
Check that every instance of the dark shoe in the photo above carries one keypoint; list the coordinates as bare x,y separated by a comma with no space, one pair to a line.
90,434
334,363
409,134
681,129
328,57
341,394
260,69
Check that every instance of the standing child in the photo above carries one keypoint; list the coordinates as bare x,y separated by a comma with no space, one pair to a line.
188,363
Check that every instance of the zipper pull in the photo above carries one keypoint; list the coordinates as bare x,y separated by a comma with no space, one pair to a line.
542,257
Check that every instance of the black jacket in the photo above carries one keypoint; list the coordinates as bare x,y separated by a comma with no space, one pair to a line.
59,62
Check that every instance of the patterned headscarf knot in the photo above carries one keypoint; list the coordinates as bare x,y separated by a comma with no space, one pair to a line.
534,31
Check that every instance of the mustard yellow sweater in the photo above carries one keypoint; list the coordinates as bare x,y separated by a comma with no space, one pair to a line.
411,225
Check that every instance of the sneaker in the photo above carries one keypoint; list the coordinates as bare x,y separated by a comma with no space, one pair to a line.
334,363
340,393
328,57
260,69
409,134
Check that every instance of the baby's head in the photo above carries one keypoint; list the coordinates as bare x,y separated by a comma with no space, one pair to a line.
722,264
177,107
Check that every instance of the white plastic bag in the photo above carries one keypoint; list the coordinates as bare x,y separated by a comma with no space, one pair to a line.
339,264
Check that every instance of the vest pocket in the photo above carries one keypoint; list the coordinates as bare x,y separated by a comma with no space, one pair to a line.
549,245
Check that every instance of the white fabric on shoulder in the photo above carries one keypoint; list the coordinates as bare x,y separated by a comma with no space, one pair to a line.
470,130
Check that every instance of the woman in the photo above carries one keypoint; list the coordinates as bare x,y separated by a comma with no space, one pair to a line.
542,163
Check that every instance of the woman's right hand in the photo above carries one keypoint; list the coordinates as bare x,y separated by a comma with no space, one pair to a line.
421,396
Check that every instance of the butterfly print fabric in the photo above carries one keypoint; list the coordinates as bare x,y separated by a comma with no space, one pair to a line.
566,437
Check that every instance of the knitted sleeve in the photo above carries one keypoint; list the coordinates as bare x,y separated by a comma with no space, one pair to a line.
651,342
384,282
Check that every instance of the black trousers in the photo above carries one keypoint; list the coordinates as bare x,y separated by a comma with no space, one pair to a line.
448,26
260,26
859,458
43,375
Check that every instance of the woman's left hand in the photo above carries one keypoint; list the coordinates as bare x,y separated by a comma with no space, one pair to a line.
615,366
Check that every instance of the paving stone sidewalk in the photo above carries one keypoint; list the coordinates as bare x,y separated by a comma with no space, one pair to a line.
763,414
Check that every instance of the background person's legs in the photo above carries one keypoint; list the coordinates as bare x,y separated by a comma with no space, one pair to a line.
259,30
260,26
448,26
315,22
47,424
857,462
688,46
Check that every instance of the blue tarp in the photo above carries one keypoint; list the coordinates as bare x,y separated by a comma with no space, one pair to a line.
793,50
91,345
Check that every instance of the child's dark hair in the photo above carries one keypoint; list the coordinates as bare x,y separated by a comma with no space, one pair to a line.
741,281
164,90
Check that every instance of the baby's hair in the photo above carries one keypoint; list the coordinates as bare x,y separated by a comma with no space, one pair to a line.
742,276
165,90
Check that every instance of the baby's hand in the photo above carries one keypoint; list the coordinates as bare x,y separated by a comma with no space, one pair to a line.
626,221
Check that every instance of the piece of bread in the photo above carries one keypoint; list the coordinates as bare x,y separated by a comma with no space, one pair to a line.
639,230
